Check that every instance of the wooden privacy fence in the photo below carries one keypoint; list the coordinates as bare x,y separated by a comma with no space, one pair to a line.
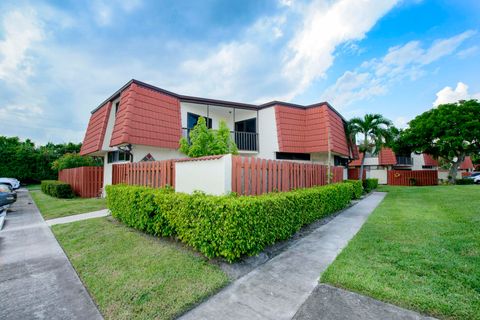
354,173
254,176
414,177
87,182
150,174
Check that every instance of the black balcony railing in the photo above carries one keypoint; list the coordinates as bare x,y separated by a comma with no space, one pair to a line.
404,161
245,141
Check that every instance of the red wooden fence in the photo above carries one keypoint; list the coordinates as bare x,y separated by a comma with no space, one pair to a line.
253,176
414,177
150,174
354,173
87,182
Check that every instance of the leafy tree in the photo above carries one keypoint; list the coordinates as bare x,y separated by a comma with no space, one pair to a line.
206,142
449,132
374,131
27,162
74,160
223,142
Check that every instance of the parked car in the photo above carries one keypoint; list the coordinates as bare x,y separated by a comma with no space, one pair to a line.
14,183
7,196
475,176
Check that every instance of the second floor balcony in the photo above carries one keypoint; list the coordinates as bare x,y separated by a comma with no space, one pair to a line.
245,141
404,161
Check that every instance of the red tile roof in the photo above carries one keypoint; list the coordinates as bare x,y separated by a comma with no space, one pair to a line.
357,162
386,157
96,130
429,161
147,117
306,130
466,164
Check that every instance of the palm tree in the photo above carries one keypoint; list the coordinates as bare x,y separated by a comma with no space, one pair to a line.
374,131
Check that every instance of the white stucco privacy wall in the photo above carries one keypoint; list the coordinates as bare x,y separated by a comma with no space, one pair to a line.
380,174
210,176
267,133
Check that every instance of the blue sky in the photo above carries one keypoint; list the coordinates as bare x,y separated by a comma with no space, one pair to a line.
60,59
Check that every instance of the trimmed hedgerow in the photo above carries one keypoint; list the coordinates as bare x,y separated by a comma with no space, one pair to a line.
370,184
464,181
357,188
57,189
225,226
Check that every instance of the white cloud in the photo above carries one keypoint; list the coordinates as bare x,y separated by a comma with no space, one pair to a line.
449,95
327,25
22,30
400,122
105,11
468,52
374,77
239,68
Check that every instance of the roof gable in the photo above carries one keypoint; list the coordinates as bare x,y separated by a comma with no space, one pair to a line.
95,133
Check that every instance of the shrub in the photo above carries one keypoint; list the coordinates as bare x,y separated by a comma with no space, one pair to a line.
225,226
57,189
357,188
74,160
370,184
464,181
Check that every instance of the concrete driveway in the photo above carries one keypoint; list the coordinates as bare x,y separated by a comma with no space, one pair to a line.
37,280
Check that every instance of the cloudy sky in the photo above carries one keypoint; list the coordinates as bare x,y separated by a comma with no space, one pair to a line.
60,59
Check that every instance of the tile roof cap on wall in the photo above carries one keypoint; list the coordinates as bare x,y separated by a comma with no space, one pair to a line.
466,164
223,103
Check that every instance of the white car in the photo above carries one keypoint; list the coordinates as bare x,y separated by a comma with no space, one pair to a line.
14,183
475,176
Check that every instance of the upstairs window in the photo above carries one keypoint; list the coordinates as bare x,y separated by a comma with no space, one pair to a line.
117,156
117,105
192,120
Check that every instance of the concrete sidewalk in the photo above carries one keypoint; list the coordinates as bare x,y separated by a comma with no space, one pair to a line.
37,280
327,302
78,217
277,289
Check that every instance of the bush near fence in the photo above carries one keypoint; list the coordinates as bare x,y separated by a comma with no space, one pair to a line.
225,226
57,189
464,181
370,184
357,188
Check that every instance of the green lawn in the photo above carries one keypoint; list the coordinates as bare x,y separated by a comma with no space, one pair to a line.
419,249
51,207
135,276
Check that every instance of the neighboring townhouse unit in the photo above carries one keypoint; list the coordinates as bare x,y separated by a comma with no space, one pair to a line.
141,122
376,166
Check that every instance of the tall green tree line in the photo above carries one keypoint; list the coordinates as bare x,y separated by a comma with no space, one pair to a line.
29,163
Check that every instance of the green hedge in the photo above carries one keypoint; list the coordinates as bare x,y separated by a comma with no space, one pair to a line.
370,184
225,226
57,189
464,181
357,188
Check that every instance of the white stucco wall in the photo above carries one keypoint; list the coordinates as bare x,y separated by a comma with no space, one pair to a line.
380,174
267,134
443,175
109,129
418,161
371,161
210,176
158,154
